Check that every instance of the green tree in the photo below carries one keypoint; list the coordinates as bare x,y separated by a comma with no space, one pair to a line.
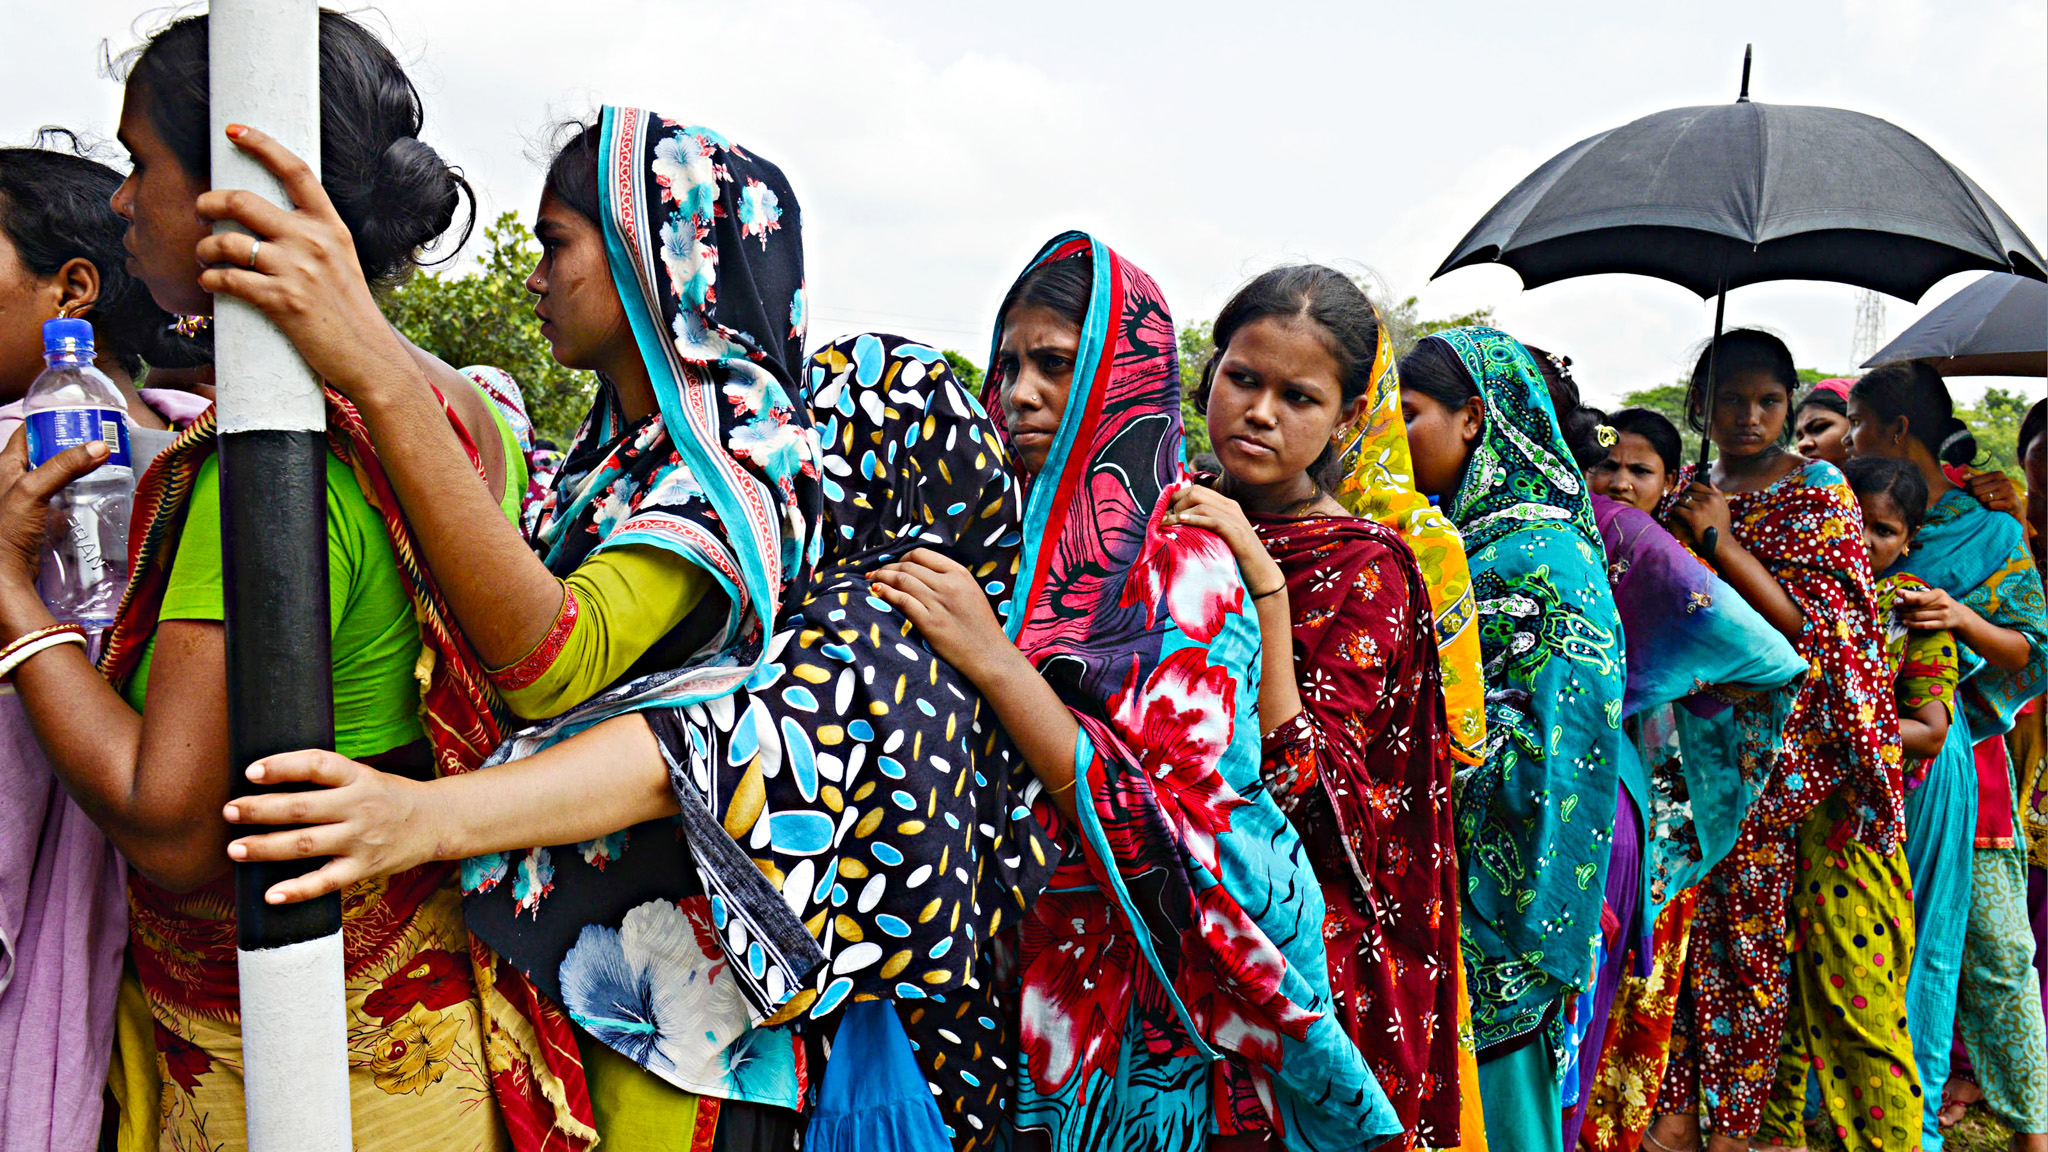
1405,327
1193,341
485,316
964,371
1995,420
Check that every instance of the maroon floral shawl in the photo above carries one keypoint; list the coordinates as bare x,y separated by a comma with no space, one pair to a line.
1364,773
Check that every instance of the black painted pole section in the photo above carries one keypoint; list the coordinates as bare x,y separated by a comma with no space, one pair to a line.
280,667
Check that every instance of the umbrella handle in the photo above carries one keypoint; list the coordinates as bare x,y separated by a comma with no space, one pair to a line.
1709,540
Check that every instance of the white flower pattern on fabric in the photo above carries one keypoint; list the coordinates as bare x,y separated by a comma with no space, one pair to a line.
658,989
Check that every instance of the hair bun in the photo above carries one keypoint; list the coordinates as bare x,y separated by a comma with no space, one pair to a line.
412,197
1958,444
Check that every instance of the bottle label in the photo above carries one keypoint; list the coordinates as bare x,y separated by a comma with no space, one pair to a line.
52,430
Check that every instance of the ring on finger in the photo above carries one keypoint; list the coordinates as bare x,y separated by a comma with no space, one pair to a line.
255,246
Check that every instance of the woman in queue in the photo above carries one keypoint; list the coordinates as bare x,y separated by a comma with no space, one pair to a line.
1356,748
1182,924
1787,537
1982,586
1486,442
699,545
63,918
144,747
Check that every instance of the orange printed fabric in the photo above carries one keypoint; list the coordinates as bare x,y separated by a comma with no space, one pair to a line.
1623,1099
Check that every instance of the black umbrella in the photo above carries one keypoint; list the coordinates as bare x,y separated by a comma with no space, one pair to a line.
1997,326
1720,196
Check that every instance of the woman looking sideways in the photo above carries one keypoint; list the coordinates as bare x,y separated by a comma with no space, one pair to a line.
1355,750
431,1035
1982,586
1182,923
1821,422
1641,466
1789,539
63,905
1486,443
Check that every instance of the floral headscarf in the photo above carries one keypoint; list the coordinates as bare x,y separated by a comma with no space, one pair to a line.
1183,923
1534,820
1379,484
703,241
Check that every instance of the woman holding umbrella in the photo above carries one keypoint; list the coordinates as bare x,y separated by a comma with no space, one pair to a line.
1790,540
1984,588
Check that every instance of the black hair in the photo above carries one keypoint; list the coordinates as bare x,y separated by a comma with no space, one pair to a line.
1892,477
1343,316
395,193
572,174
1742,351
1826,398
1579,422
1061,285
54,208
1653,426
2032,425
1433,369
1914,390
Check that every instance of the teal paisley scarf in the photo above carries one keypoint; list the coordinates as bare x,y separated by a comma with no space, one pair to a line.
1534,819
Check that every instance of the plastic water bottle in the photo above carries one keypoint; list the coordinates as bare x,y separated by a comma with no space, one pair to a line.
86,569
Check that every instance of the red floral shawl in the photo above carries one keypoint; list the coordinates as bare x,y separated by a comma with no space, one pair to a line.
1364,773
1187,930
184,944
1808,530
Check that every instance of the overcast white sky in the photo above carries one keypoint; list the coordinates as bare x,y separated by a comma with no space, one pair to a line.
934,144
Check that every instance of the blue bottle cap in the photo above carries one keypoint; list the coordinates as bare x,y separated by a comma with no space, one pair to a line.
68,335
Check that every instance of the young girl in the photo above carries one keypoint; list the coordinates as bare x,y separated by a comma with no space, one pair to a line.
1787,539
1641,466
1355,745
1982,586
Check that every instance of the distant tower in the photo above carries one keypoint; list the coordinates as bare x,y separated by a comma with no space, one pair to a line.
1869,328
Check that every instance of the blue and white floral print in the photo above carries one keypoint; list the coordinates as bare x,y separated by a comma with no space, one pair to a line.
659,990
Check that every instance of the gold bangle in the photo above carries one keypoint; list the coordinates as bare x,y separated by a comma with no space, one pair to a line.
1067,787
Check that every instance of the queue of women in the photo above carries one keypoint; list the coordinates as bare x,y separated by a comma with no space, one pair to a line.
818,754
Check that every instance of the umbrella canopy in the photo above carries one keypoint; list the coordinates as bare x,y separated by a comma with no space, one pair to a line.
1997,326
1724,195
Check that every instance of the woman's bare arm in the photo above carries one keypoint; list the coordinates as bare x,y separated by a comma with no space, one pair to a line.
372,823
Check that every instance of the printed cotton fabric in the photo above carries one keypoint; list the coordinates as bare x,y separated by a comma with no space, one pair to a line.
1364,772
1806,528
864,775
1532,820
703,240
438,1024
1379,484
1182,924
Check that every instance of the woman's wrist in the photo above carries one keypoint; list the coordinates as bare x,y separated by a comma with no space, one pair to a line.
21,608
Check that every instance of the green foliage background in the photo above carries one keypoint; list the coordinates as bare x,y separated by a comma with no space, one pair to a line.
485,316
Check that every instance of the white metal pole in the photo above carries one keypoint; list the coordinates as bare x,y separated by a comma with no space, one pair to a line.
264,71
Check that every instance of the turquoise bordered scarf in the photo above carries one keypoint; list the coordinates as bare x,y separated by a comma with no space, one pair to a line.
703,241
1534,818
